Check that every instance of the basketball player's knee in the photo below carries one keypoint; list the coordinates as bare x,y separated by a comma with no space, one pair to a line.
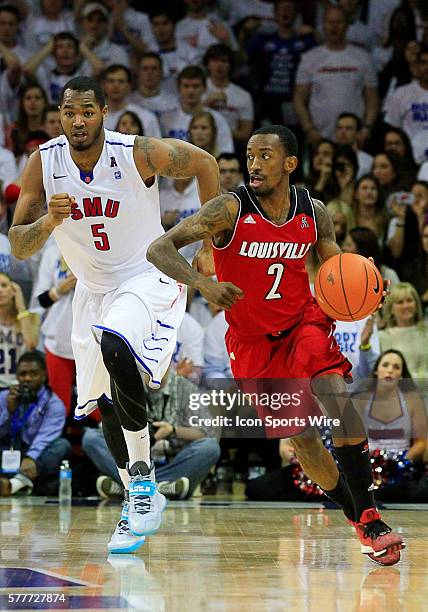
116,354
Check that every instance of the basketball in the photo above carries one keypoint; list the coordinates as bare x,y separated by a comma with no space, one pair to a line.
348,287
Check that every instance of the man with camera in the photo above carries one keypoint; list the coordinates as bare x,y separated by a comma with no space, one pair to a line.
31,422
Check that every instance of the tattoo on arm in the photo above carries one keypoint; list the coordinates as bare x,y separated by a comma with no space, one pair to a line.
30,234
179,163
26,240
216,216
144,144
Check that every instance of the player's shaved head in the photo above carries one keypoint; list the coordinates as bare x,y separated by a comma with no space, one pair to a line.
286,137
83,84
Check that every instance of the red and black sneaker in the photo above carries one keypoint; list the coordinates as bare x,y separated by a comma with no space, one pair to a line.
378,541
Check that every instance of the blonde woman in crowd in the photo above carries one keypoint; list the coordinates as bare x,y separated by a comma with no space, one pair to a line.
19,329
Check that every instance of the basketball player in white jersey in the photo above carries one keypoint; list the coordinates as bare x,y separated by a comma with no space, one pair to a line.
102,197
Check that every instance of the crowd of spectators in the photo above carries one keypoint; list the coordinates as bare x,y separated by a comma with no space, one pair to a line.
349,77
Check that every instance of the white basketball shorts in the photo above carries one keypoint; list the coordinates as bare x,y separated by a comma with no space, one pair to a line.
145,311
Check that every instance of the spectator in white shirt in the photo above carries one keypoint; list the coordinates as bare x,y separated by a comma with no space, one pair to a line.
348,127
232,101
131,28
12,57
216,357
191,88
358,33
188,357
38,30
408,107
334,78
201,29
94,20
175,54
63,49
150,92
117,85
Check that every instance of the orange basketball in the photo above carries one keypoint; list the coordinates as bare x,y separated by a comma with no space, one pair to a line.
348,287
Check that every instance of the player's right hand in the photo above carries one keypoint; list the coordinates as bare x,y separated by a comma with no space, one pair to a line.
59,208
221,294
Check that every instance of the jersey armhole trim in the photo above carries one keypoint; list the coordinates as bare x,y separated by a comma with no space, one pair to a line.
238,216
314,213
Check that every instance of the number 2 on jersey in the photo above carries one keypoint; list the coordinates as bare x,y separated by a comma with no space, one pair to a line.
102,244
276,269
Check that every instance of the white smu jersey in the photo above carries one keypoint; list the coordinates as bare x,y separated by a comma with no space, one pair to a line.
115,217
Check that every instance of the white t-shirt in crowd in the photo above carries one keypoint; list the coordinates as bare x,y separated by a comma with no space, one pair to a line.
148,119
8,169
365,162
239,104
196,33
39,30
56,326
186,203
175,60
175,124
190,342
379,16
348,336
337,80
139,26
162,102
5,252
236,11
408,109
52,82
109,53
217,361
423,172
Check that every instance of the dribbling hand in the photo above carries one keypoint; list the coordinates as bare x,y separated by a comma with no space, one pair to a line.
59,208
222,294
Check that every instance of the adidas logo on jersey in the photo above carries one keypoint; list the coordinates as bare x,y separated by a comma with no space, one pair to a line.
249,219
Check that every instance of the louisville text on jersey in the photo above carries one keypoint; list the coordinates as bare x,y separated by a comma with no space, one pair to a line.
273,250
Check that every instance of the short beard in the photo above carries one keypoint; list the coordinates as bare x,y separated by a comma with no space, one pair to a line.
87,145
264,193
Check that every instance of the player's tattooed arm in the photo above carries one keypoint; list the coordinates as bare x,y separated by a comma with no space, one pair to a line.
216,219
177,159
30,229
326,244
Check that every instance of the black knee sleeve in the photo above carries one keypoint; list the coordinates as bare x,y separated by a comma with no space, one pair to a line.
126,383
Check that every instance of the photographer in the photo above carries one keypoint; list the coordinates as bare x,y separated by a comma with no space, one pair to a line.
183,455
31,423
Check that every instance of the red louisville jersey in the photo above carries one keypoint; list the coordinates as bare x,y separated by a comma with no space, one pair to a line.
267,262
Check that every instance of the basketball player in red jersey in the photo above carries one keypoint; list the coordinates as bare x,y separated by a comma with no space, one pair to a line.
261,234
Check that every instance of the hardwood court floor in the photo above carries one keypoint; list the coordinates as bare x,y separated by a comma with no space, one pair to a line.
207,556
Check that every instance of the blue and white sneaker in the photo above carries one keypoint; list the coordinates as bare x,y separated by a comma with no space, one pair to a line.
146,504
122,540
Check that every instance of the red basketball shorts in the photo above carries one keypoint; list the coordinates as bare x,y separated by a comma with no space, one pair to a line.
286,365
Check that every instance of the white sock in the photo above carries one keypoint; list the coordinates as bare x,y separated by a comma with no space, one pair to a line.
138,444
16,485
124,476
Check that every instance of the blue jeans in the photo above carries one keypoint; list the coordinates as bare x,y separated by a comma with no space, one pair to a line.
194,461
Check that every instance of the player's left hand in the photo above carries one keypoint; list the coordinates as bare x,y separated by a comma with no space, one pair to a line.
203,261
28,467
164,430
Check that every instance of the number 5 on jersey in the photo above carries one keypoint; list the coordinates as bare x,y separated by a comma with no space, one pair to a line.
276,269
102,243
